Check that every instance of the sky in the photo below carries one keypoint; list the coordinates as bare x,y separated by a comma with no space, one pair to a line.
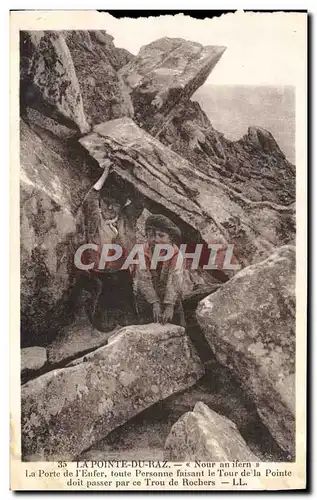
233,108
252,83
261,49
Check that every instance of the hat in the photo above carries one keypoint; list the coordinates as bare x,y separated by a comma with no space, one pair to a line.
164,224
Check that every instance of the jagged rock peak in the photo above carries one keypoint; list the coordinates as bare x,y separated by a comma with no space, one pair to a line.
263,139
254,165
117,55
101,36
164,72
65,411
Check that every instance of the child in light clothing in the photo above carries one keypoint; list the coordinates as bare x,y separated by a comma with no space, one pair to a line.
159,290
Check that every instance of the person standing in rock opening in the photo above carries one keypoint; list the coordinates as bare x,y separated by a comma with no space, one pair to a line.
106,295
159,291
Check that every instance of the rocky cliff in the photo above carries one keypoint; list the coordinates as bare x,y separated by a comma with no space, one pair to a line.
84,102
254,166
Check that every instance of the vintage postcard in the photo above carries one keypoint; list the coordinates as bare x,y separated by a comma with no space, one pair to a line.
158,213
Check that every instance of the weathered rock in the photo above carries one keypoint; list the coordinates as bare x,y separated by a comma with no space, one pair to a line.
53,184
250,325
50,130
204,435
33,358
73,341
144,436
50,82
29,41
55,165
203,207
65,411
103,91
117,56
45,232
164,72
254,166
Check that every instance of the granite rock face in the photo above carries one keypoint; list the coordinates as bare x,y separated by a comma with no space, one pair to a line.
250,325
164,72
207,209
65,411
57,171
204,435
53,184
117,56
103,91
254,166
50,82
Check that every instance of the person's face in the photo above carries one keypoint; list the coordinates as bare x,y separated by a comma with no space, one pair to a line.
158,237
110,208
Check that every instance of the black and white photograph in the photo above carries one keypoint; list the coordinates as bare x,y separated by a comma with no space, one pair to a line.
158,250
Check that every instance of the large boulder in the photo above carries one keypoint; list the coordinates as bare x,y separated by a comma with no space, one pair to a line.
65,411
103,91
202,434
203,207
53,183
164,72
250,325
49,81
254,166
144,435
